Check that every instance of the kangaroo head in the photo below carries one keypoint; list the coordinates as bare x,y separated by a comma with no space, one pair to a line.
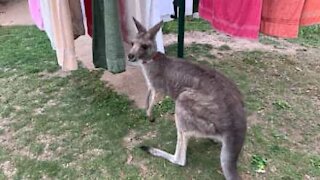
144,44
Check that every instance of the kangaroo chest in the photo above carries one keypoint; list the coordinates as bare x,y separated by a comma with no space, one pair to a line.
146,77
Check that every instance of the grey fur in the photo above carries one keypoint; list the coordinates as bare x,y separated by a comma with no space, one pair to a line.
208,105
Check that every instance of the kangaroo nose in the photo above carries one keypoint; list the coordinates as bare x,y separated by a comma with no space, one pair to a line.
130,56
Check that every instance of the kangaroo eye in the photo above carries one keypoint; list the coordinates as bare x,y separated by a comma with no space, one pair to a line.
131,43
144,46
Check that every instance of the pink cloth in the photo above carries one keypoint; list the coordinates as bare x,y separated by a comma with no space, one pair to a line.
35,12
240,18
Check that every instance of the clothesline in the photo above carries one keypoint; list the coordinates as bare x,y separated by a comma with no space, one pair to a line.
63,20
246,18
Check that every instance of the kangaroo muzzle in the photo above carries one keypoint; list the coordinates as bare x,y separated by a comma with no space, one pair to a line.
132,58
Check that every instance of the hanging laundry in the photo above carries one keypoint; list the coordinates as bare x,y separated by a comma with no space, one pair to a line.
310,13
166,10
115,51
47,24
154,18
63,34
83,13
89,14
98,34
189,7
239,18
35,12
77,18
282,18
145,11
108,51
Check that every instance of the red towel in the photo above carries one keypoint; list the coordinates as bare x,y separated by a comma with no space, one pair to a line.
282,18
88,10
239,18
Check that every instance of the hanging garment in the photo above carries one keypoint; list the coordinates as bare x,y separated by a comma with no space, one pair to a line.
239,18
63,34
108,51
83,14
282,18
89,14
145,11
166,9
35,12
98,34
189,7
77,18
155,18
115,51
47,24
310,13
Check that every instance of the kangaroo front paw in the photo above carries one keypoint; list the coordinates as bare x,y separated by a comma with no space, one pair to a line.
151,118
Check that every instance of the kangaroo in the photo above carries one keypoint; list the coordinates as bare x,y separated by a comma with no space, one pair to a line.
207,104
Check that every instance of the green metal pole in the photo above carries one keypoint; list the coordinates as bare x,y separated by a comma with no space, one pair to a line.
182,7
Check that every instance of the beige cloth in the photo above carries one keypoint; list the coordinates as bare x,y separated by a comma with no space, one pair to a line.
63,34
77,18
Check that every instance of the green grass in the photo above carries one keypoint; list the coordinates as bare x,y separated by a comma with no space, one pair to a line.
76,128
191,24
308,36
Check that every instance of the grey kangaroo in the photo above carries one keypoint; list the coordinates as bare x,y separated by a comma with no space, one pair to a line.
207,104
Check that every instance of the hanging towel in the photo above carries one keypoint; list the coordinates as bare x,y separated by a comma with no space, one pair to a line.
47,24
98,35
282,18
166,7
239,18
83,14
114,48
108,51
35,12
63,34
89,14
310,13
155,18
189,7
77,18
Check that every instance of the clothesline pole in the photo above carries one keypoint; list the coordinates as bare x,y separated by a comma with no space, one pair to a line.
182,7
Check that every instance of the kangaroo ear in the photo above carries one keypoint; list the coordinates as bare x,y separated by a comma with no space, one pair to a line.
139,25
154,30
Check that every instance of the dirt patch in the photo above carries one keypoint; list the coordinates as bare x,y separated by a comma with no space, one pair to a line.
47,140
8,138
15,12
218,40
85,157
8,169
253,119
59,73
132,140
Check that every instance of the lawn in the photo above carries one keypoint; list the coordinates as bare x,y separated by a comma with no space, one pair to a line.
76,127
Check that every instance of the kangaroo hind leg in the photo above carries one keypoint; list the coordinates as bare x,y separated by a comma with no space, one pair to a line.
179,157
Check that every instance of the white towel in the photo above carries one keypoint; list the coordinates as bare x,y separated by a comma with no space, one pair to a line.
189,7
46,16
166,7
